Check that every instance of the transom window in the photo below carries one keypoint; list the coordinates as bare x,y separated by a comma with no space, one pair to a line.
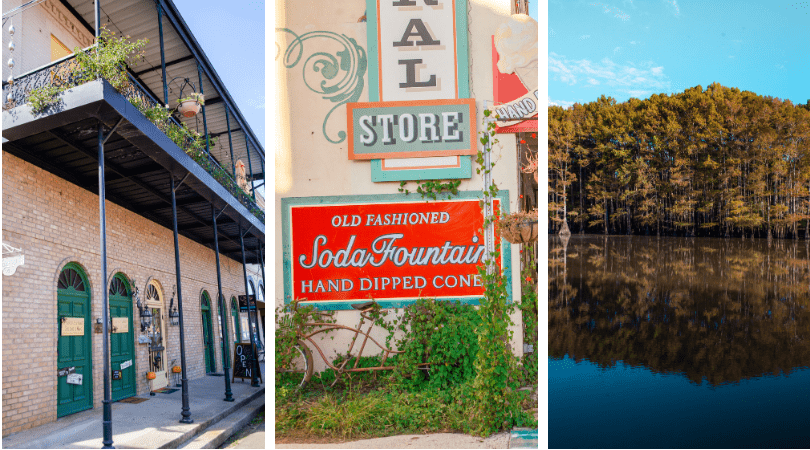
152,295
70,278
117,287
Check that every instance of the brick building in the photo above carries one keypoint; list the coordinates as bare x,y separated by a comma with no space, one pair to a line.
157,191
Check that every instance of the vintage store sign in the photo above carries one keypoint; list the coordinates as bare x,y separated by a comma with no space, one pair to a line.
393,249
411,129
418,49
514,74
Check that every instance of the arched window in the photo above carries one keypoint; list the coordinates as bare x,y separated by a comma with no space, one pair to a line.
153,296
70,278
117,287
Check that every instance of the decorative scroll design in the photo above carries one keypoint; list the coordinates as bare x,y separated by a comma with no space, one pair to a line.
321,70
12,258
62,73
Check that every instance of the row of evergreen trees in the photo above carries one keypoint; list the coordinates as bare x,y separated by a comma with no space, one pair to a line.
714,162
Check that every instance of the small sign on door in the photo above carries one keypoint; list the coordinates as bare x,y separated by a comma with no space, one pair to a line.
74,378
120,325
72,326
126,364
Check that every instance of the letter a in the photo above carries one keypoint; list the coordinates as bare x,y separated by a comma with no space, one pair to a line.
416,28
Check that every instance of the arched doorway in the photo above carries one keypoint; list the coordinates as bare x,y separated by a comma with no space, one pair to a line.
208,334
156,333
74,357
237,329
122,339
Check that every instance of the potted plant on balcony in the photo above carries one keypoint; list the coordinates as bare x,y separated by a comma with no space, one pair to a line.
190,106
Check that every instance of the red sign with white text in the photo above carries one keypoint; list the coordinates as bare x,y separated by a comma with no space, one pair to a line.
387,251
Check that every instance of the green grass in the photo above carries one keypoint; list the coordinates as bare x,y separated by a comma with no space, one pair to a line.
368,408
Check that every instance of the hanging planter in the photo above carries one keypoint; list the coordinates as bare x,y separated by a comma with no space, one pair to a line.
191,105
176,369
519,227
151,375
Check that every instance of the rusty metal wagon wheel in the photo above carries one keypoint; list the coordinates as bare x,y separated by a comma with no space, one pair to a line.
301,367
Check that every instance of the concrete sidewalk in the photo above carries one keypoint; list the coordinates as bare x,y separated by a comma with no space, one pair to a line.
518,438
154,423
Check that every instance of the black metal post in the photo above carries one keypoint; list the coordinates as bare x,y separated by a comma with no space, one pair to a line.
250,166
162,55
254,381
106,403
230,143
205,123
261,264
223,322
186,413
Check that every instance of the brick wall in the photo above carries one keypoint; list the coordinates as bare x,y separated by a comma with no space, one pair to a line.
55,222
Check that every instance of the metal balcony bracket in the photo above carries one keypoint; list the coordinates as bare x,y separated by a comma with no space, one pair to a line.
112,130
176,187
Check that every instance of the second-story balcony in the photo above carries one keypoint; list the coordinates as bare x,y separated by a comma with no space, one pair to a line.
149,144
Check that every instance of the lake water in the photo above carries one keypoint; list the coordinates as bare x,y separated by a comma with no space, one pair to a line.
678,343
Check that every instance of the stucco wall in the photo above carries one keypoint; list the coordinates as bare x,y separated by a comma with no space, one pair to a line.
32,37
307,164
55,222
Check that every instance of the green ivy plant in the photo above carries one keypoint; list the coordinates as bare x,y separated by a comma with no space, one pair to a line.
441,334
108,60
528,306
433,188
496,403
43,97
193,97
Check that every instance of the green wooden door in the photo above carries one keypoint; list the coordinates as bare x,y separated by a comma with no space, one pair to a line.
237,329
74,346
208,335
122,339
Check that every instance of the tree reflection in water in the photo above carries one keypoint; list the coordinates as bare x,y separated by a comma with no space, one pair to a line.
715,309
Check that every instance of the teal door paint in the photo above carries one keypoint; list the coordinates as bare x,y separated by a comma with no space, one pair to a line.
237,329
122,339
74,359
208,335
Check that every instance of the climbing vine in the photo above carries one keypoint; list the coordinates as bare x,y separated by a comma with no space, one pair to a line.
497,404
433,188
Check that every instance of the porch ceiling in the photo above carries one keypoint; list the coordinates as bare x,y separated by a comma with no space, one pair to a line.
139,159
138,19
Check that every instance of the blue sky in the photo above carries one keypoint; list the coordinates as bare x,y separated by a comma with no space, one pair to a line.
233,38
635,48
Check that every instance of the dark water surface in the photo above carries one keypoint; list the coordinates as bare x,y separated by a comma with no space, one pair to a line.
678,343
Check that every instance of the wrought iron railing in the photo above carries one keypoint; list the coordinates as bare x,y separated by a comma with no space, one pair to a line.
60,73
67,73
